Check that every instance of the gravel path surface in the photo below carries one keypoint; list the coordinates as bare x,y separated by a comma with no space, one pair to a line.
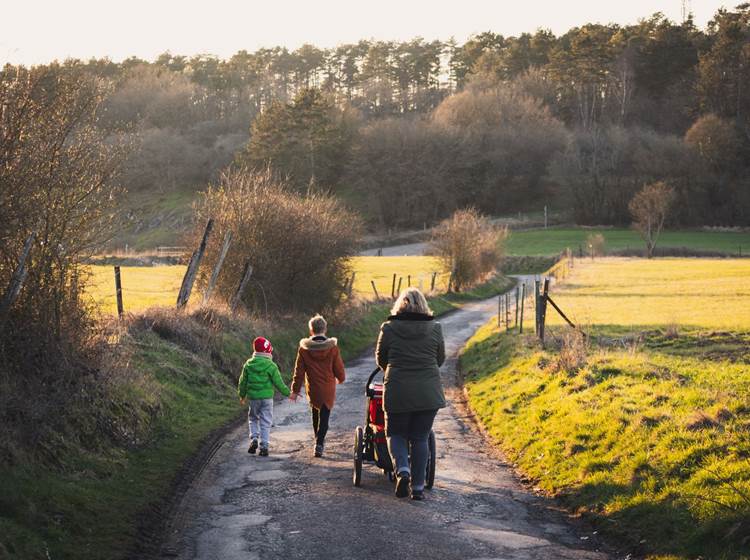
408,250
291,505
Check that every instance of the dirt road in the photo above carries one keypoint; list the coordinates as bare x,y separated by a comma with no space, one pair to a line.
291,505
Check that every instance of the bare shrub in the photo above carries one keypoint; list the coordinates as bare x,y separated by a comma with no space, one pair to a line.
573,352
469,245
595,244
298,246
672,331
57,173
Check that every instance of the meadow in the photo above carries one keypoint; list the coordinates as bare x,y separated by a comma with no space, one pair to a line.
157,286
643,425
552,241
684,292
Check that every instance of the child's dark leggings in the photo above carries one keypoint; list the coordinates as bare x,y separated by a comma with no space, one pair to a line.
320,423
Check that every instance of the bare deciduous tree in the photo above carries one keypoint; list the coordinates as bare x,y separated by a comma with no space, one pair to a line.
649,208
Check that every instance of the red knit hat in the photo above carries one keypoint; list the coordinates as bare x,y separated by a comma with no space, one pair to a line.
263,345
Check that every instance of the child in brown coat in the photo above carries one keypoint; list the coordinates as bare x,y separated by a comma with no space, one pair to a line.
320,366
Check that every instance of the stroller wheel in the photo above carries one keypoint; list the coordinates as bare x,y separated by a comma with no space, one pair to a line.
430,475
358,446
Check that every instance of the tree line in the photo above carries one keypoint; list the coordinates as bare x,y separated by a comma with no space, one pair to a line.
583,119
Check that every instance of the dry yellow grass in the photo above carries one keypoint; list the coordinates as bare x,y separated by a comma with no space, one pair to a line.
704,293
149,286
381,271
142,287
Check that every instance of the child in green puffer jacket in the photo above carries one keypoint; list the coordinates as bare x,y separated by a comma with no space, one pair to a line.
260,376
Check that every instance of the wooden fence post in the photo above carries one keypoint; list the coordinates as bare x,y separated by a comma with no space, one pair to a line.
523,298
374,289
543,309
118,292
393,287
518,293
19,275
536,307
192,269
217,268
507,311
499,310
408,281
398,289
237,297
350,288
432,283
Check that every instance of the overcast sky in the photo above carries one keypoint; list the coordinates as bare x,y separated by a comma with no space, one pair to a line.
35,31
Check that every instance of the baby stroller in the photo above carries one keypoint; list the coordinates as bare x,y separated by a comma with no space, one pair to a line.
369,442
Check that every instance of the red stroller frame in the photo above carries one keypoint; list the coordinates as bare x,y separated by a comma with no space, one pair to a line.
370,443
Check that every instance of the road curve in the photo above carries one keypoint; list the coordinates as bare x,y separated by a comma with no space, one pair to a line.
291,505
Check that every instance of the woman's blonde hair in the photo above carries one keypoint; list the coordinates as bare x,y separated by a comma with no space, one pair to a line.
411,300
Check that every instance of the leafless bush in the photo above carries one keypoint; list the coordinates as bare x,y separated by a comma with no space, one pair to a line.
672,330
573,352
298,246
469,245
57,174
595,244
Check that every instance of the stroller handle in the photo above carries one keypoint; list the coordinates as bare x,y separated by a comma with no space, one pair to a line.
368,391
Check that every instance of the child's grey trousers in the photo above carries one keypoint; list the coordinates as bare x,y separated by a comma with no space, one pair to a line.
260,419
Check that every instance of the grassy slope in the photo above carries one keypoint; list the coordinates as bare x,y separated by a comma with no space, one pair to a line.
89,508
649,436
553,240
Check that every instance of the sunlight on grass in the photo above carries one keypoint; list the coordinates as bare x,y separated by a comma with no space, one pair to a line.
150,286
707,293
382,269
142,287
647,431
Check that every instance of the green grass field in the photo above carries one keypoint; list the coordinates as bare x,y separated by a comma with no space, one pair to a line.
644,426
556,239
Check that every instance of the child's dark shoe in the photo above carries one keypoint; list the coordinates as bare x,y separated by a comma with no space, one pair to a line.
402,485
253,447
263,452
417,495
318,450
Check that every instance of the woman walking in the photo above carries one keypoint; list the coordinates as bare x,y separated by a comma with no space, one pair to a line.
410,351
320,367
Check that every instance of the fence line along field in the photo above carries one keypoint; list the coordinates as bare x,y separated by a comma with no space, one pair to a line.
701,293
151,286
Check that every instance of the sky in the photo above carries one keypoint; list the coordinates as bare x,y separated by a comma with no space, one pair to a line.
36,31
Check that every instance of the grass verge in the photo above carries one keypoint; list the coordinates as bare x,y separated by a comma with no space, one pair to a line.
648,439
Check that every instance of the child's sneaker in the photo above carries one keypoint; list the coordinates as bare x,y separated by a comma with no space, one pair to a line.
253,447
263,452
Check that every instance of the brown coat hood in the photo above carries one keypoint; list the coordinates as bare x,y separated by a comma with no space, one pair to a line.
322,344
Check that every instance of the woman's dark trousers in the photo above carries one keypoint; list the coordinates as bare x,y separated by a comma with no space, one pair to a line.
407,434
